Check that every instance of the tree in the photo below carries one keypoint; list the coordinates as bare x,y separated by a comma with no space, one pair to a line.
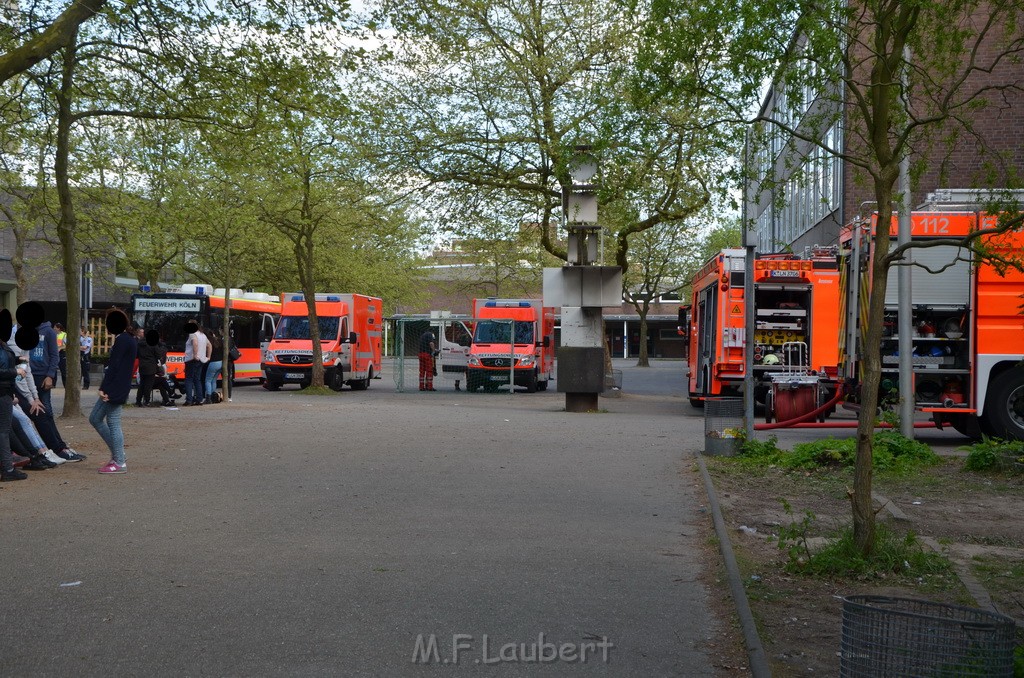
147,61
663,262
482,107
45,35
905,78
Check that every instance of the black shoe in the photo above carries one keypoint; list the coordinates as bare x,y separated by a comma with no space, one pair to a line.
85,388
13,474
39,463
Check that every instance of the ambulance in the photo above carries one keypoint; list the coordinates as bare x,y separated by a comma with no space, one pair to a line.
513,341
350,328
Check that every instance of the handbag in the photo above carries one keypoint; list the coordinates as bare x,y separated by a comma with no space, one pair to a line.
234,353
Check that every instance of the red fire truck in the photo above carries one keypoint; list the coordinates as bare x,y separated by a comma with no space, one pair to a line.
796,306
968,336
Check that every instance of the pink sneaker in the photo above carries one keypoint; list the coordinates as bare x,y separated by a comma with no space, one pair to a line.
114,467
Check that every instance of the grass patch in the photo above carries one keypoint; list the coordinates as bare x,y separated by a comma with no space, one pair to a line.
894,554
891,453
999,574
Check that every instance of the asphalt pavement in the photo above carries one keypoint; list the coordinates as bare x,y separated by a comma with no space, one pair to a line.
376,533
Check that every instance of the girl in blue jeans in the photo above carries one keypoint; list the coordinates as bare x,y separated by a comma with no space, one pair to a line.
214,366
114,391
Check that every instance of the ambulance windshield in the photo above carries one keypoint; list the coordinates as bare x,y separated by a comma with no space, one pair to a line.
496,332
297,327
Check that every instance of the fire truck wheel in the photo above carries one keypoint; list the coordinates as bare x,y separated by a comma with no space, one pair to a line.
542,385
1004,409
272,385
768,407
337,380
531,383
696,402
966,425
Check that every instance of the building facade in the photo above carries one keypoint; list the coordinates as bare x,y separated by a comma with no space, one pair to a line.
799,194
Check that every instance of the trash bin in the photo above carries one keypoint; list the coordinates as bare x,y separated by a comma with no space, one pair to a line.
612,384
904,637
723,426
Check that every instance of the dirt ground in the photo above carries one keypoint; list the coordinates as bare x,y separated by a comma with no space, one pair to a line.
973,518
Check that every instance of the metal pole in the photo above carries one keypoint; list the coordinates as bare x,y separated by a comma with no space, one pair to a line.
748,302
904,309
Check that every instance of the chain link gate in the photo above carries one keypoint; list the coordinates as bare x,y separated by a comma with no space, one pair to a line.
453,337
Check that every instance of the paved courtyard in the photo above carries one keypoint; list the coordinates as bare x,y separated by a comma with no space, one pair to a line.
367,534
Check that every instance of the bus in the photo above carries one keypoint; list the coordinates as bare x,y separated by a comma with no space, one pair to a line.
254,317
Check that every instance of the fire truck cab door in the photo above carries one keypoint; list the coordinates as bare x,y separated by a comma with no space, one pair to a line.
707,312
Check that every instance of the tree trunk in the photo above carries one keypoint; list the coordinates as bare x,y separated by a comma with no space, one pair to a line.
643,360
18,263
66,226
863,507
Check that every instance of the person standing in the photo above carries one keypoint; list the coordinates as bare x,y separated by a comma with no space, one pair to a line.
214,366
85,346
114,390
62,354
196,355
426,355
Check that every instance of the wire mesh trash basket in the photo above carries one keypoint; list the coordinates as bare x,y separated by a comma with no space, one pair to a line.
612,383
723,426
904,637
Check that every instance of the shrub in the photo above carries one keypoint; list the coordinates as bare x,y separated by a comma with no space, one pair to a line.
995,455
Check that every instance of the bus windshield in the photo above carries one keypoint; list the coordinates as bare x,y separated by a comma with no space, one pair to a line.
496,332
297,327
170,326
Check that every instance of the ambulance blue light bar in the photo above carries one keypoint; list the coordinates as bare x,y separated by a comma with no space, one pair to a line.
494,304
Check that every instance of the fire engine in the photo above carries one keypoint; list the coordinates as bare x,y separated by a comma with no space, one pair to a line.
350,340
513,340
968,332
796,307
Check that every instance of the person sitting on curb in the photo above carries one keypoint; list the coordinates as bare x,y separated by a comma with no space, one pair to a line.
8,375
26,389
42,360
